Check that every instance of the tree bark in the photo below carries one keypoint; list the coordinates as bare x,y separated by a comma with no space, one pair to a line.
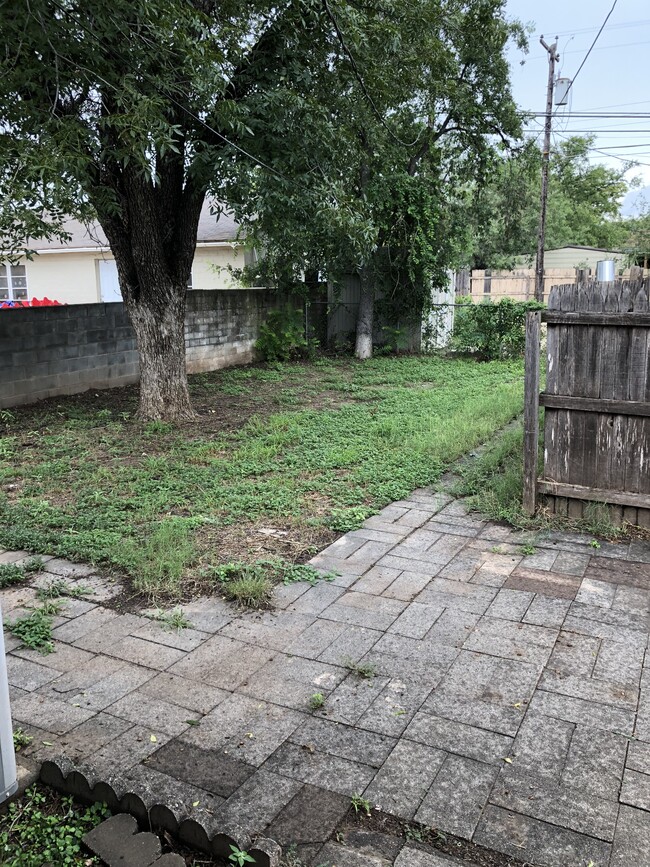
160,333
365,316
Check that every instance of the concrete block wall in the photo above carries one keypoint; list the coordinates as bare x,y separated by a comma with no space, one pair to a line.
49,351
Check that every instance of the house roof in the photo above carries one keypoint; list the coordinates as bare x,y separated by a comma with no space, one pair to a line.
212,228
579,247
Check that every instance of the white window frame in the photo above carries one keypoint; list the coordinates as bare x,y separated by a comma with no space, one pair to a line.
6,270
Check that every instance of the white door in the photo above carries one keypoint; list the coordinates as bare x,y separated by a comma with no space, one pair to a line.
109,285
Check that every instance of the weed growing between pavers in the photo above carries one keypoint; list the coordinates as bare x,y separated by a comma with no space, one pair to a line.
171,621
12,573
35,629
60,589
21,739
251,584
493,485
86,481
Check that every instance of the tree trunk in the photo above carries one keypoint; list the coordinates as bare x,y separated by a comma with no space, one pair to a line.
160,333
365,316
153,238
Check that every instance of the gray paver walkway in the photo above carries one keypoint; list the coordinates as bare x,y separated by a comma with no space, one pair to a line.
510,703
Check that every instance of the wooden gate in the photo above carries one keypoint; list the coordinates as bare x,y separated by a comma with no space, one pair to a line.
596,402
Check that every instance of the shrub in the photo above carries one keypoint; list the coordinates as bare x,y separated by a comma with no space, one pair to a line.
282,336
492,331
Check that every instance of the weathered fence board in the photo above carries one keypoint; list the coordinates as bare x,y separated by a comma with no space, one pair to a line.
531,409
597,400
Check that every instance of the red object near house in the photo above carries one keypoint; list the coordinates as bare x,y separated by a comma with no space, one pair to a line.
44,302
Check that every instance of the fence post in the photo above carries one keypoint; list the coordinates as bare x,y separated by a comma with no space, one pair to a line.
8,782
531,410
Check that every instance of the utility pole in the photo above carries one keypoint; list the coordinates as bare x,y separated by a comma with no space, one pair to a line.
553,57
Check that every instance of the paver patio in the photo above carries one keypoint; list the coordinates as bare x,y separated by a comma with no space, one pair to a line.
510,704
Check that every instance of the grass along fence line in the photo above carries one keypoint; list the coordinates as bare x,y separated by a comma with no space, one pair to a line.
281,460
493,485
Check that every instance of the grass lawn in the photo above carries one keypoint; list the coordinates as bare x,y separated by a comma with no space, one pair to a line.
280,461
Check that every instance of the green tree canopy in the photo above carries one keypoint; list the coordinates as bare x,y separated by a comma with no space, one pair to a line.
583,204
409,112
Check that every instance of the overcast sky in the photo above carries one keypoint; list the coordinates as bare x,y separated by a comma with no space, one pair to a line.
614,78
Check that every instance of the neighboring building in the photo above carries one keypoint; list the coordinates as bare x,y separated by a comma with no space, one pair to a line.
560,267
572,256
83,271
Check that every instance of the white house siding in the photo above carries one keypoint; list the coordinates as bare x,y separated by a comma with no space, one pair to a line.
210,268
74,278
71,278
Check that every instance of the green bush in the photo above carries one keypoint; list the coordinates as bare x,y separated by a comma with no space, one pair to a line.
282,336
492,331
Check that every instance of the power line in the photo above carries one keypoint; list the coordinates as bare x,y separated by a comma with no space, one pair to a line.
622,25
359,77
603,47
584,113
614,147
606,131
591,48
613,156
618,105
184,108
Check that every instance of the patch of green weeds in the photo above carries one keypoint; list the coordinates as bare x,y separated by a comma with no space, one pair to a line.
59,588
43,828
493,484
527,550
12,573
35,629
493,481
598,520
158,428
249,591
418,833
360,805
21,739
344,520
251,584
172,621
363,670
289,573
290,858
158,562
316,701
235,390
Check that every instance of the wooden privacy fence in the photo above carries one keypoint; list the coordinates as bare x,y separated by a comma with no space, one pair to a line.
596,402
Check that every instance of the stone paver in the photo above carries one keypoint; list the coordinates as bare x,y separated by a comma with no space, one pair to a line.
508,702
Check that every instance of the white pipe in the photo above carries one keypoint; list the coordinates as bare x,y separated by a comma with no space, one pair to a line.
8,780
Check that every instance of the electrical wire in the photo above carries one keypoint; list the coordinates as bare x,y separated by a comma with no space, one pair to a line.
622,25
591,48
195,117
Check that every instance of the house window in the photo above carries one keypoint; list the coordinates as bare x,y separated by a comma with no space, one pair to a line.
13,283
